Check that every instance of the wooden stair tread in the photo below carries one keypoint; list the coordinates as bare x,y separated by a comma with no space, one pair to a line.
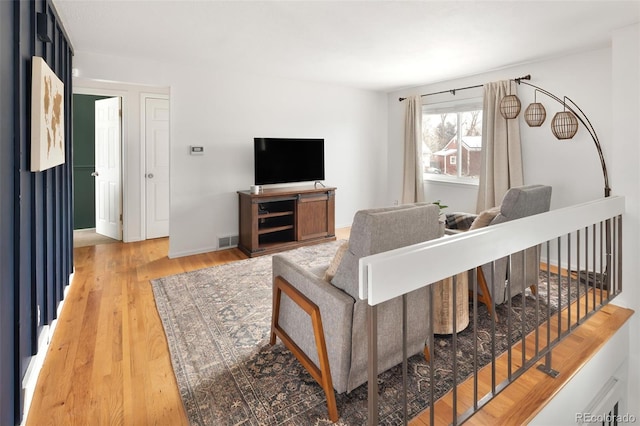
522,400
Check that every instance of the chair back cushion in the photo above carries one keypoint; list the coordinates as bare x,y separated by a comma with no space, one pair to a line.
517,203
523,201
379,230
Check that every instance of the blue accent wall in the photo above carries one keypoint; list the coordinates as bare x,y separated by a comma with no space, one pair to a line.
7,364
36,213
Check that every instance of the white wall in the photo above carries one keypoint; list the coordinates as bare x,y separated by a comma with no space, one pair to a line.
625,178
571,167
224,110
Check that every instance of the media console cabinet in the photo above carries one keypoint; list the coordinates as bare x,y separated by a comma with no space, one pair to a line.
278,219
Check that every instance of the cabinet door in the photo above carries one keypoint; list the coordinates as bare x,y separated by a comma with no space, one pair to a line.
314,216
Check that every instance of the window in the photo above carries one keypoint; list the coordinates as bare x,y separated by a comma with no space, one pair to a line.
452,141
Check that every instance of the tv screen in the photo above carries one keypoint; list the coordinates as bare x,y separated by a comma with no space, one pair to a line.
280,160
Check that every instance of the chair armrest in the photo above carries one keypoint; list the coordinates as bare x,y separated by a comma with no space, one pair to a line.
311,285
336,309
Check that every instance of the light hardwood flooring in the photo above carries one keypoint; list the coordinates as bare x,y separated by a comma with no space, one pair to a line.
108,361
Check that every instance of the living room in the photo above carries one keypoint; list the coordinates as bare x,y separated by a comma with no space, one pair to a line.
236,105
222,108
364,152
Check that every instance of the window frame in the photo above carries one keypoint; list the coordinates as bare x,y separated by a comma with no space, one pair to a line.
455,106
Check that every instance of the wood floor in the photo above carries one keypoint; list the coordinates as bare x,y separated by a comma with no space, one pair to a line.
108,362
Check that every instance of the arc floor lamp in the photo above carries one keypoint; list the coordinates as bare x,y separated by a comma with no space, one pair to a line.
564,124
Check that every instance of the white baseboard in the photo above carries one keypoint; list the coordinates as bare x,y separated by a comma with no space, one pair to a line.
173,255
30,379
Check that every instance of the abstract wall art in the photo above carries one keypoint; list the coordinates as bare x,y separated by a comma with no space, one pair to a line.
47,117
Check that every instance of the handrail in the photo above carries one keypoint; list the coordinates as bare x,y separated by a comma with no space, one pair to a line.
387,275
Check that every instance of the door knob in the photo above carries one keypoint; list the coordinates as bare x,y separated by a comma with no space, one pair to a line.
94,174
150,175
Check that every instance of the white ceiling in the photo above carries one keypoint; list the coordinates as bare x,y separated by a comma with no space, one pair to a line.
378,45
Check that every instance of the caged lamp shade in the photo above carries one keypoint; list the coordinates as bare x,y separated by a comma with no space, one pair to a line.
510,106
535,114
564,125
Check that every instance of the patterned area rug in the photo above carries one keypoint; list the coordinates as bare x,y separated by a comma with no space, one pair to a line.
217,322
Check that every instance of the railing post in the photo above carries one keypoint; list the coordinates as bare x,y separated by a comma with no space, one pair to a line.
432,353
546,367
372,386
618,286
405,364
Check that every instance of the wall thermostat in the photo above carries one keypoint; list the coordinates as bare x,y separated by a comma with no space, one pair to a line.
196,150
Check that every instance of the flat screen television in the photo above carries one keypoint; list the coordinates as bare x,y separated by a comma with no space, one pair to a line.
284,160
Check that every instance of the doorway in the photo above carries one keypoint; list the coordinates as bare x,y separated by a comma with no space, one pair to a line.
138,105
108,167
84,165
84,202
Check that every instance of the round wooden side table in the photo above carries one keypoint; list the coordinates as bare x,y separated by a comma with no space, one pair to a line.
444,308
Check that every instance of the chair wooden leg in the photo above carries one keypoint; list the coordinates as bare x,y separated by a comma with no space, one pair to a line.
275,313
321,374
485,297
427,354
534,289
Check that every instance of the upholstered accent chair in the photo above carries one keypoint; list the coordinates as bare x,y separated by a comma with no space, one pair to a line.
518,202
324,323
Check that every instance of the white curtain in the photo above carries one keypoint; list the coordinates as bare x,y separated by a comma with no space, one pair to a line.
501,148
412,186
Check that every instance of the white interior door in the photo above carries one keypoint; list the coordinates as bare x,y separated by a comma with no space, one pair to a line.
107,173
157,166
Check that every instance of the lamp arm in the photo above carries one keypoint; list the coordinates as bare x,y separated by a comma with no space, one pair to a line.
585,122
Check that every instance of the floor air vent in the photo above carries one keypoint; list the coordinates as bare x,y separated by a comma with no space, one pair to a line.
226,242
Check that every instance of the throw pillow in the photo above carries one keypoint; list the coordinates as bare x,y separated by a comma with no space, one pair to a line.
459,220
337,258
485,218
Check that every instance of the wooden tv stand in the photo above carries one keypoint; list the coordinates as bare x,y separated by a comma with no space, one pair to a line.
278,219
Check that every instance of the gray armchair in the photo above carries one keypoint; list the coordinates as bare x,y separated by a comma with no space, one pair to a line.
518,202
324,323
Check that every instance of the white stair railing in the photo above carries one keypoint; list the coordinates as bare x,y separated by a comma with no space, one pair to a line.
585,238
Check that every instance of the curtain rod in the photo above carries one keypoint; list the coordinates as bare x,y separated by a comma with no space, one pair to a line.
453,91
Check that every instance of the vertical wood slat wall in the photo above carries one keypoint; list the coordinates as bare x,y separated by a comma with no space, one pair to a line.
6,215
36,213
